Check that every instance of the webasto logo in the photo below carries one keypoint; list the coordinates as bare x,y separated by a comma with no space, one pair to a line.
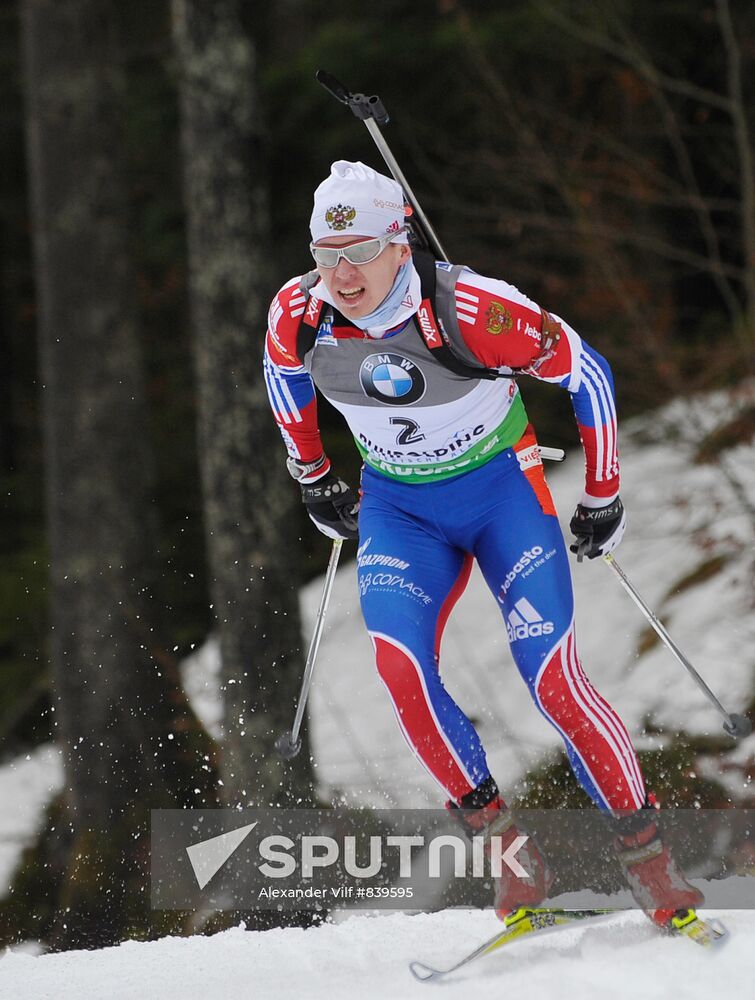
524,560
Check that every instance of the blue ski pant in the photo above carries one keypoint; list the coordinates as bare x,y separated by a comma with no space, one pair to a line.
416,546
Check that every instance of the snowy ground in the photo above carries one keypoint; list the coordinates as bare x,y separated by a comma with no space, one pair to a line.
367,957
681,516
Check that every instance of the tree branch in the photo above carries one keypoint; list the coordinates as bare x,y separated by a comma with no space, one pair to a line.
649,72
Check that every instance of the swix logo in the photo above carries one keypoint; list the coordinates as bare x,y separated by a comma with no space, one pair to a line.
526,622
427,325
313,310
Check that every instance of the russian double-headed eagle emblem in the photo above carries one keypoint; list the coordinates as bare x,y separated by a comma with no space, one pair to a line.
340,217
498,319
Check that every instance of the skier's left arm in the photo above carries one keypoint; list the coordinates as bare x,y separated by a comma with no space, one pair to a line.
599,520
512,331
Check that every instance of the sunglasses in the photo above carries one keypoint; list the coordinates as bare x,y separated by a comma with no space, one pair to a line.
356,253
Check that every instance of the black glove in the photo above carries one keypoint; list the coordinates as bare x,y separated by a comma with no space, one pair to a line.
332,505
598,530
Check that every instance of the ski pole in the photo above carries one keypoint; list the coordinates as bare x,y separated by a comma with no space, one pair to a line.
288,744
735,725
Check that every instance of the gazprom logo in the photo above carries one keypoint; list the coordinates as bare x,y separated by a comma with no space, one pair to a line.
392,379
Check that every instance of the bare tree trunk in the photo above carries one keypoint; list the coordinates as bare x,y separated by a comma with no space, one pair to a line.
746,166
122,724
247,501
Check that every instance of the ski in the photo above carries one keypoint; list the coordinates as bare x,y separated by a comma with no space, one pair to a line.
525,922
519,924
686,923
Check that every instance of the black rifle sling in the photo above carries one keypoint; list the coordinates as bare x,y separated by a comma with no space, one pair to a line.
437,343
432,335
310,321
317,312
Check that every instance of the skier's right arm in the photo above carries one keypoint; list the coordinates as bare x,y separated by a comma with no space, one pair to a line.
330,503
289,385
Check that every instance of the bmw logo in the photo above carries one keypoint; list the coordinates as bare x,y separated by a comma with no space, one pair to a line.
392,379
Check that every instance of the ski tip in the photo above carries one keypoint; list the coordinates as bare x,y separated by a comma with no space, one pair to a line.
707,933
424,973
720,933
712,934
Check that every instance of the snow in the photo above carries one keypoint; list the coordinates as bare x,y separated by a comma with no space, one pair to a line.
368,957
681,516
27,785
200,675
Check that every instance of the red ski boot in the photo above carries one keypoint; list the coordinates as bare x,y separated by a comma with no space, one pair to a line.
656,881
494,821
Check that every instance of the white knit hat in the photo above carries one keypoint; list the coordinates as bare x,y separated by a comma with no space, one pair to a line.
357,199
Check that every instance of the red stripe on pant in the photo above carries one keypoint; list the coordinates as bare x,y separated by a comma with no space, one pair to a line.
592,727
401,674
453,596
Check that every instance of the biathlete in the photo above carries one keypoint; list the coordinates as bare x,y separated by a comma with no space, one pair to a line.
415,354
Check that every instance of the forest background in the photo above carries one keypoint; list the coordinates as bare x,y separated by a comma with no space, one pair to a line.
599,156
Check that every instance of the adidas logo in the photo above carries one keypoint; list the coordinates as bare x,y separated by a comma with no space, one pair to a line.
526,622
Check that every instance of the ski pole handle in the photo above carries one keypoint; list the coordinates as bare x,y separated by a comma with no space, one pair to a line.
333,86
735,725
